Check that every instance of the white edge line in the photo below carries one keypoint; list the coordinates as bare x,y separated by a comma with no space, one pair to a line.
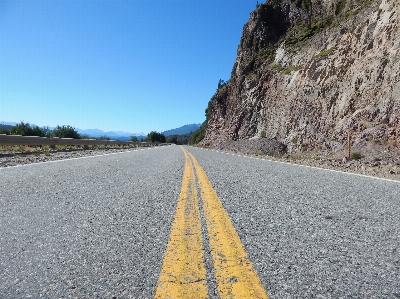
338,171
313,167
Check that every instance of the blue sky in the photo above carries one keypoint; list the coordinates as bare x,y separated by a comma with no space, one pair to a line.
135,66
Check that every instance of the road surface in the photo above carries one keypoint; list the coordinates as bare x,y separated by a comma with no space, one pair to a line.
172,221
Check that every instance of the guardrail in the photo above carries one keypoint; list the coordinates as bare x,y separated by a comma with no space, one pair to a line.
52,142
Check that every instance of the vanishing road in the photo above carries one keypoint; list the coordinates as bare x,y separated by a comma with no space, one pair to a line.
184,222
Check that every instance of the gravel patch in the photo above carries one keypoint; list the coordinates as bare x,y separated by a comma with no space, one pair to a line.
254,146
376,160
14,158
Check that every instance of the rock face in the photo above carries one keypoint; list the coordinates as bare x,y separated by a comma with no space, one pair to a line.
308,90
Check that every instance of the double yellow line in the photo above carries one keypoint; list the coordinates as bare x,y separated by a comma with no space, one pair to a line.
183,273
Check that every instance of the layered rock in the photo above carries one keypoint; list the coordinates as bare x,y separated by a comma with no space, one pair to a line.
310,92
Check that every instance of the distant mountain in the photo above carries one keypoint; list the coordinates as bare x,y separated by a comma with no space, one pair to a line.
128,138
111,134
182,130
118,135
8,123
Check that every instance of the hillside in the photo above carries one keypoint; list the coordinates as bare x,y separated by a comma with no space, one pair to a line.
186,129
307,79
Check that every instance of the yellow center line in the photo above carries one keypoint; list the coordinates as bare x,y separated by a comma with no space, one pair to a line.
183,273
234,272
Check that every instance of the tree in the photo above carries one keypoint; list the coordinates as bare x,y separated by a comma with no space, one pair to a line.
221,83
154,136
199,134
172,139
25,129
134,139
64,132
4,130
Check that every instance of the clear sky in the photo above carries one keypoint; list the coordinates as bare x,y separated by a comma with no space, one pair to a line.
135,66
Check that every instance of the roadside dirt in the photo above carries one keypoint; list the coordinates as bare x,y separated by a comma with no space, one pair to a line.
375,159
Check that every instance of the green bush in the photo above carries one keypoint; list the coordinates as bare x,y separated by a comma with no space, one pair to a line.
285,70
154,136
64,132
25,129
172,139
356,156
323,53
4,130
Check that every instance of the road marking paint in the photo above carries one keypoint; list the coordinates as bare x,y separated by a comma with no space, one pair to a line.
183,273
235,275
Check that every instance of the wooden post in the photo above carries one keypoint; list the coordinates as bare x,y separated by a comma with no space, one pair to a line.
348,145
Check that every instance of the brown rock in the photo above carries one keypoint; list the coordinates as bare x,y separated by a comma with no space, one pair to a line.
308,96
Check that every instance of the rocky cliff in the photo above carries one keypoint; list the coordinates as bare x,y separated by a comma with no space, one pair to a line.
308,75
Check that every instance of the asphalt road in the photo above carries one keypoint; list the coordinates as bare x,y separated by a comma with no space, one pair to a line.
98,227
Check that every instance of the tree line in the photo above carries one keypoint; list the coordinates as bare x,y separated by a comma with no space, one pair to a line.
26,129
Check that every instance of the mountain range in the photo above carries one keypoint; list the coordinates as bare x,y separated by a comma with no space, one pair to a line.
182,130
120,135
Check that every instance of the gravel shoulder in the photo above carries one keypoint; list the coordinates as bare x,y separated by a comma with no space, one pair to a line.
376,160
36,155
